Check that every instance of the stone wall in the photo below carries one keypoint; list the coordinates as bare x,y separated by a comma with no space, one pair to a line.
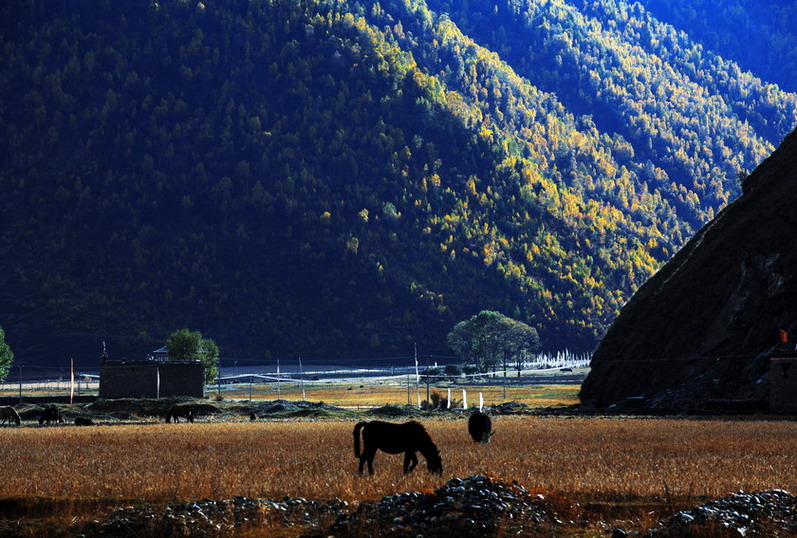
141,379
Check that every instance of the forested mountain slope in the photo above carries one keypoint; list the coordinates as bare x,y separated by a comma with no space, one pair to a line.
333,178
759,34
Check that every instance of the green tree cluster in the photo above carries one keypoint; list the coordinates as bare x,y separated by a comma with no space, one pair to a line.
185,345
489,338
6,356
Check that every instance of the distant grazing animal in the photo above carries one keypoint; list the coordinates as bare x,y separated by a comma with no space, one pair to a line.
409,438
50,415
180,410
252,416
480,427
83,421
9,415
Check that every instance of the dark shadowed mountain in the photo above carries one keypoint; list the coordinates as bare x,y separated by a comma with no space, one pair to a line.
694,331
345,179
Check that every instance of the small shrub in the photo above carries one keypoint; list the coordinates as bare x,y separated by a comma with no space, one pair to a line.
441,402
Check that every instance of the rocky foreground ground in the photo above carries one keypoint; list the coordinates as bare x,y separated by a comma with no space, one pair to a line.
475,506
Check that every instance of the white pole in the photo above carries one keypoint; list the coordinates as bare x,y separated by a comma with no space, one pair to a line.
301,373
464,399
481,401
417,377
448,402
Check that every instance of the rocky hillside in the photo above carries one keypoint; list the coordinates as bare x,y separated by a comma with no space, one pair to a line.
695,329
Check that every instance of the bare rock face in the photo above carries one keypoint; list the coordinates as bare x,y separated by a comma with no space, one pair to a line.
701,327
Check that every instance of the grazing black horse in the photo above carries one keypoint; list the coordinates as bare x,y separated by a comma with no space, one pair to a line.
410,437
83,421
480,427
50,415
180,410
9,415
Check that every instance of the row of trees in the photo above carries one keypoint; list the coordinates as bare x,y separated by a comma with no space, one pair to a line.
487,339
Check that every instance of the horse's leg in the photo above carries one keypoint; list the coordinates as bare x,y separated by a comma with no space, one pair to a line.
368,456
410,462
371,464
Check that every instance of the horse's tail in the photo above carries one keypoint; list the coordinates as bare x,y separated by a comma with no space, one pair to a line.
357,429
191,414
169,415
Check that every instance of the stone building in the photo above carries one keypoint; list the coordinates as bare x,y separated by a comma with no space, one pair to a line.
151,378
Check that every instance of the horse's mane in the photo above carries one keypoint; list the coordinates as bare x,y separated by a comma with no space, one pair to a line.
420,431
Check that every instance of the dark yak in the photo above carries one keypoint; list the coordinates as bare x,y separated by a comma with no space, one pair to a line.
51,415
480,427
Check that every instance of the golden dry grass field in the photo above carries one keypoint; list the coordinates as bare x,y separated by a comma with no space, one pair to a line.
587,458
